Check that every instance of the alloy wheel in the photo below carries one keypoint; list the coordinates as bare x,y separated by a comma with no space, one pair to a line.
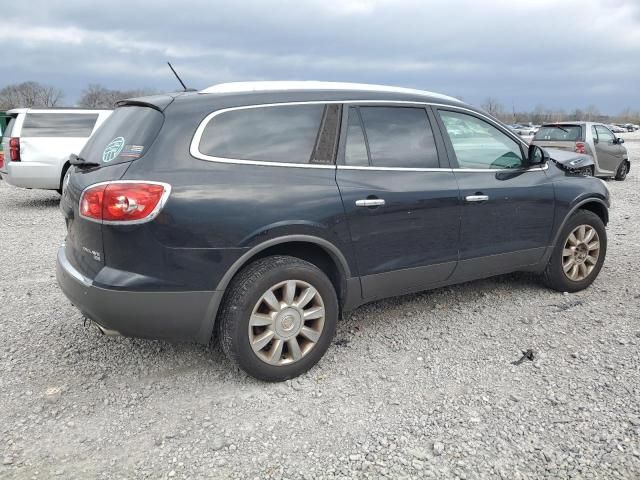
581,252
286,322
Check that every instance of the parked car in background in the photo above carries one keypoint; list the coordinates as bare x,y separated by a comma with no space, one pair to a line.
610,157
630,127
524,130
258,212
616,128
38,142
4,121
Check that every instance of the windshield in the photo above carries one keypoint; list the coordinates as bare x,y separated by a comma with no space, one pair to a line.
126,135
559,133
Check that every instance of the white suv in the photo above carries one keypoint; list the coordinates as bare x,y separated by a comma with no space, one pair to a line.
37,144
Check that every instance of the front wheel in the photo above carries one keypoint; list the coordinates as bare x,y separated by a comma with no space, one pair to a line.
579,254
278,318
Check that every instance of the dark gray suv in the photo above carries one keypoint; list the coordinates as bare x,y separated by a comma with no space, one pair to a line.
258,213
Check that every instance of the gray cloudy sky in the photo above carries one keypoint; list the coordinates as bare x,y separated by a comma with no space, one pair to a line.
559,53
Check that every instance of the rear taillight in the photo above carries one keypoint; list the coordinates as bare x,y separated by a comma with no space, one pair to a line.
124,201
1,159
581,147
14,149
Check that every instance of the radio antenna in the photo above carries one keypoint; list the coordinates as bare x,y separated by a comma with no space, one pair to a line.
178,77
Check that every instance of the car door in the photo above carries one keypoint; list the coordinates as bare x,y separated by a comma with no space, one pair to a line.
607,150
507,208
400,197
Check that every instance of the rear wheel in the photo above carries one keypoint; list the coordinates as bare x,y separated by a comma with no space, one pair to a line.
622,171
278,318
579,254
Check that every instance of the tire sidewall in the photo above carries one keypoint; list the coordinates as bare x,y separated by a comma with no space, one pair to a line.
559,277
246,357
622,172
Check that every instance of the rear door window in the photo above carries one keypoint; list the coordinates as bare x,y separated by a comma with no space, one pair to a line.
58,124
304,134
399,137
355,153
126,135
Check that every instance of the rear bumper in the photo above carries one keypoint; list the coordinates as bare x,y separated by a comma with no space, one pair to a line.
161,315
31,175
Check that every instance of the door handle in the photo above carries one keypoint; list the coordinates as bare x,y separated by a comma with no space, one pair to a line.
476,198
370,202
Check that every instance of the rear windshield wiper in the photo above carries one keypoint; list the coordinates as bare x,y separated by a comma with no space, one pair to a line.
81,162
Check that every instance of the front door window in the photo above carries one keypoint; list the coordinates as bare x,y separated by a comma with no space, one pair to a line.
479,145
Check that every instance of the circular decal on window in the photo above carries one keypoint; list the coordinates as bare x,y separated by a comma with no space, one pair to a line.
112,150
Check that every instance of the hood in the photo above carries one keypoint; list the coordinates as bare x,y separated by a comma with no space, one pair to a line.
570,160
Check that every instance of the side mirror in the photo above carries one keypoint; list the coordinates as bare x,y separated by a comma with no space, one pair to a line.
619,141
537,155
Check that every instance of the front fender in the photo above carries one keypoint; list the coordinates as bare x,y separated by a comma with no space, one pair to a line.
579,203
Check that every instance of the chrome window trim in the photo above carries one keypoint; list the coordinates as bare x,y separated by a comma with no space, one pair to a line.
154,213
479,170
394,169
194,147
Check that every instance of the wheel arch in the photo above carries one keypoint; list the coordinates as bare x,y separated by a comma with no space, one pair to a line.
596,206
322,253
592,204
63,172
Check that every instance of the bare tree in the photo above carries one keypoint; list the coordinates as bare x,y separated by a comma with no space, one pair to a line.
541,114
493,107
29,94
577,114
97,96
628,116
592,113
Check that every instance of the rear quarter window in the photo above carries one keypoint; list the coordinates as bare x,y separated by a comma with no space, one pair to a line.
126,135
58,124
305,134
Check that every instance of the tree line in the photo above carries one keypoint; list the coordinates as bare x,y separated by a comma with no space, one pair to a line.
37,95
541,114
34,94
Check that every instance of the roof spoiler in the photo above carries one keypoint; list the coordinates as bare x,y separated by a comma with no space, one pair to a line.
157,102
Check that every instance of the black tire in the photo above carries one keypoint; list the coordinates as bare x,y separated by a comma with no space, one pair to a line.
554,276
241,297
623,170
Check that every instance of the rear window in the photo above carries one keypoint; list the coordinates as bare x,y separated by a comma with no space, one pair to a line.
126,135
559,133
58,124
305,134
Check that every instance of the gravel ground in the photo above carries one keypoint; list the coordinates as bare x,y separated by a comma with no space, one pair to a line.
417,386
